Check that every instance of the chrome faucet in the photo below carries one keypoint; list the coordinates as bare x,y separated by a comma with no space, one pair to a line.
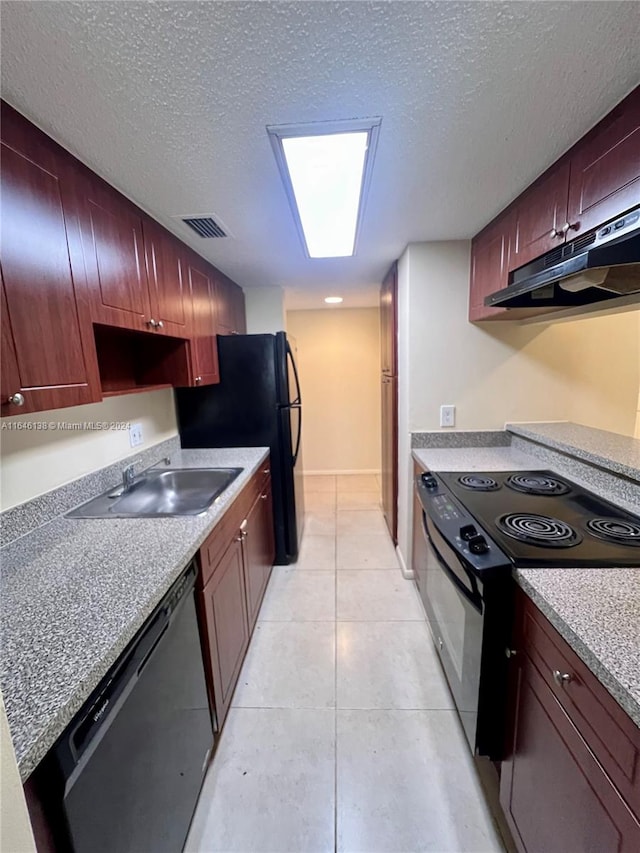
128,476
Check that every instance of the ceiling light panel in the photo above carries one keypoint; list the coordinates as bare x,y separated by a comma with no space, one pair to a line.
326,169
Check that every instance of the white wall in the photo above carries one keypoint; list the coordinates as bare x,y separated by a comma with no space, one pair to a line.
339,365
36,461
585,370
15,830
265,309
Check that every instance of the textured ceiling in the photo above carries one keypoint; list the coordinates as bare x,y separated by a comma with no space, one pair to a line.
169,102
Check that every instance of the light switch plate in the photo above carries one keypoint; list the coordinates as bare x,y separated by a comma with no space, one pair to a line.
135,435
447,416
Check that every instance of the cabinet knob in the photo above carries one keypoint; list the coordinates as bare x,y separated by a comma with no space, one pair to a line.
510,653
263,497
151,322
569,227
159,324
198,380
266,470
555,233
561,678
17,399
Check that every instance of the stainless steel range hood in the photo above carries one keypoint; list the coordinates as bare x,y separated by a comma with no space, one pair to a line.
596,266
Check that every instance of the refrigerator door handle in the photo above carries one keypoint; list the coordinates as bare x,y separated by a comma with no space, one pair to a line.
295,452
298,397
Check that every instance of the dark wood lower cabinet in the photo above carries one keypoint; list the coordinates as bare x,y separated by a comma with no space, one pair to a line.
259,553
558,797
389,456
226,627
236,563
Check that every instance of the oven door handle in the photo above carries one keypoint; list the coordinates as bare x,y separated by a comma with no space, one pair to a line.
471,595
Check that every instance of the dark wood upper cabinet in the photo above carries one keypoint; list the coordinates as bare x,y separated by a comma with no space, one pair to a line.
231,307
539,217
169,295
490,252
605,169
50,359
204,346
114,252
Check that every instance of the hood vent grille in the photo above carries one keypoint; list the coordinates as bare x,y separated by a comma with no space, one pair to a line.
205,226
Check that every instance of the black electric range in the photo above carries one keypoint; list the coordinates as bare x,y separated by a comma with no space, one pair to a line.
473,529
539,519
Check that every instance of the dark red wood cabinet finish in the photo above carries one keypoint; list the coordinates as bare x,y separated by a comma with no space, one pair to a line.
605,169
226,627
169,296
49,357
231,307
539,216
389,398
259,550
490,251
204,346
571,781
235,563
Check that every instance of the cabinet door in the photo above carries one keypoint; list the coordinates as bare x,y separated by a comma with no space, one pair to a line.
49,353
114,251
539,217
203,341
231,309
489,267
223,607
389,453
555,795
605,169
259,551
388,322
169,296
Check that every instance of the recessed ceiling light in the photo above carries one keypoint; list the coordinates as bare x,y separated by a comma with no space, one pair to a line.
333,300
326,169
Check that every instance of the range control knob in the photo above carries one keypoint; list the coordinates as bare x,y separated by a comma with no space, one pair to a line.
468,532
478,545
429,481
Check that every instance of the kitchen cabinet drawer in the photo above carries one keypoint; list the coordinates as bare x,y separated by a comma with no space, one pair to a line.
608,731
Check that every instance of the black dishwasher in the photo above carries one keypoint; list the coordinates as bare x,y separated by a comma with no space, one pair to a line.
132,761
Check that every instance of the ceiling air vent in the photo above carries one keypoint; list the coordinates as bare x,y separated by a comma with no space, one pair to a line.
204,226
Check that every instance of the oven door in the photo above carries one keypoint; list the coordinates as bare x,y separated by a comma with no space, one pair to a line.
452,597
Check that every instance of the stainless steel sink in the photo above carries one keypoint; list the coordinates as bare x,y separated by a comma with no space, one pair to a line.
161,493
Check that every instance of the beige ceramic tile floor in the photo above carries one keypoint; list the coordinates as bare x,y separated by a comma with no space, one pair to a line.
342,734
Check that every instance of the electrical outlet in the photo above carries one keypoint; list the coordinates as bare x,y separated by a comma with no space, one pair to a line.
135,435
447,416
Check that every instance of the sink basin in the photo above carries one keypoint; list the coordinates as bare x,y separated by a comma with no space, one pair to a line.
161,493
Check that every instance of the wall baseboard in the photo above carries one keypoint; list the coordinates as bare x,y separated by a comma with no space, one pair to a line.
335,471
406,572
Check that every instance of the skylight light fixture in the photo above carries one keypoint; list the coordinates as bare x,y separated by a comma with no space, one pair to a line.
326,169
333,300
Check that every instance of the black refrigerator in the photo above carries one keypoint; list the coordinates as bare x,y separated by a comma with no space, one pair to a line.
257,403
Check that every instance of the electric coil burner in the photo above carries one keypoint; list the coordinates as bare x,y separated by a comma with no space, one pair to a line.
539,530
615,530
478,483
537,484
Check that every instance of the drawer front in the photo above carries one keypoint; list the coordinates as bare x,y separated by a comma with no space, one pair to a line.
218,540
608,731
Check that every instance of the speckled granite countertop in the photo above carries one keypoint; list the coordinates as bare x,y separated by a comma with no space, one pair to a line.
74,593
618,453
476,459
597,611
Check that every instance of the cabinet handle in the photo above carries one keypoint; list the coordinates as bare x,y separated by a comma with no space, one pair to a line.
263,497
569,227
17,399
555,233
561,678
510,653
159,324
154,323
198,380
266,470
